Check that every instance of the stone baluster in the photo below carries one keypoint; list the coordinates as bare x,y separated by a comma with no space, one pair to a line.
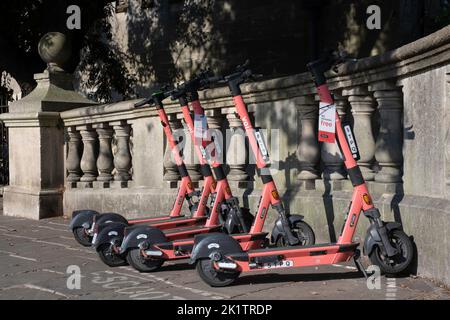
389,142
330,153
171,171
88,160
236,152
362,108
74,152
215,121
105,156
189,155
122,157
308,152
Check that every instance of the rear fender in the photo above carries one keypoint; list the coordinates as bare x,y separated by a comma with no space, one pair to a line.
138,234
109,233
205,244
82,218
277,230
110,217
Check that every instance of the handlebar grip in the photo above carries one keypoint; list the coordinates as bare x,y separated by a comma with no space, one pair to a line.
215,79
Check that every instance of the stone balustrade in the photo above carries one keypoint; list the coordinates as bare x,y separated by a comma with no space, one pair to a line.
372,104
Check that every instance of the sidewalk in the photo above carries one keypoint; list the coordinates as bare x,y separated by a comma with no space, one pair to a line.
34,258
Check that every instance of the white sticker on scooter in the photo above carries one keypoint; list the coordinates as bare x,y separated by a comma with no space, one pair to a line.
213,245
327,122
351,141
141,236
262,145
278,264
112,233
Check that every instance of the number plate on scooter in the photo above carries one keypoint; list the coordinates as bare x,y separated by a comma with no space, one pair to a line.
278,264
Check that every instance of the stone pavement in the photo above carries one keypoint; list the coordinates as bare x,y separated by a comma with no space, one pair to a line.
35,255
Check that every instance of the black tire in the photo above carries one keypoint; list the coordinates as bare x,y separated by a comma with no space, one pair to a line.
142,264
82,236
213,277
303,232
399,263
109,257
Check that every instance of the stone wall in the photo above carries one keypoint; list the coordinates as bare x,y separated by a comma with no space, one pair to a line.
397,103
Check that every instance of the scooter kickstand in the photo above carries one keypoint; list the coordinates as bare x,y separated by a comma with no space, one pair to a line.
359,266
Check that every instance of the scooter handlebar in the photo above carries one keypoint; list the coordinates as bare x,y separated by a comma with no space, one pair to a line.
147,101
207,82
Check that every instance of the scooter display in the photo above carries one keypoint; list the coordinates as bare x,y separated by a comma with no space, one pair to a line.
86,224
220,259
153,247
225,210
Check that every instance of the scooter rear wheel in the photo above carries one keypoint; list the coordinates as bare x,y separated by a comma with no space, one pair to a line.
400,262
141,263
109,257
303,232
214,277
82,236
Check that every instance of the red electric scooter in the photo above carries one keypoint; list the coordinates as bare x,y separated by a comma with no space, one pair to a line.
150,251
220,259
86,224
225,214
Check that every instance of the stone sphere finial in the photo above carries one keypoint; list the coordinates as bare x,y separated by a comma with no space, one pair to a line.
55,49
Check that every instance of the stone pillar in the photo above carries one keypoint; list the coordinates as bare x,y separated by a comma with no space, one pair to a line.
330,153
105,155
389,142
36,138
73,159
308,152
236,152
122,158
171,171
362,108
189,155
88,160
90,152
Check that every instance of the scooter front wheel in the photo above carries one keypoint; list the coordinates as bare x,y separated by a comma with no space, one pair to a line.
303,232
213,277
109,257
141,263
82,236
401,261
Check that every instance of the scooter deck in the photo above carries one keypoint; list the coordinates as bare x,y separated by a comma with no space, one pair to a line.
189,232
321,249
190,241
182,248
179,222
156,219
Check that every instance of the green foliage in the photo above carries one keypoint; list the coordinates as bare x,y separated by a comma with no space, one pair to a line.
104,62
